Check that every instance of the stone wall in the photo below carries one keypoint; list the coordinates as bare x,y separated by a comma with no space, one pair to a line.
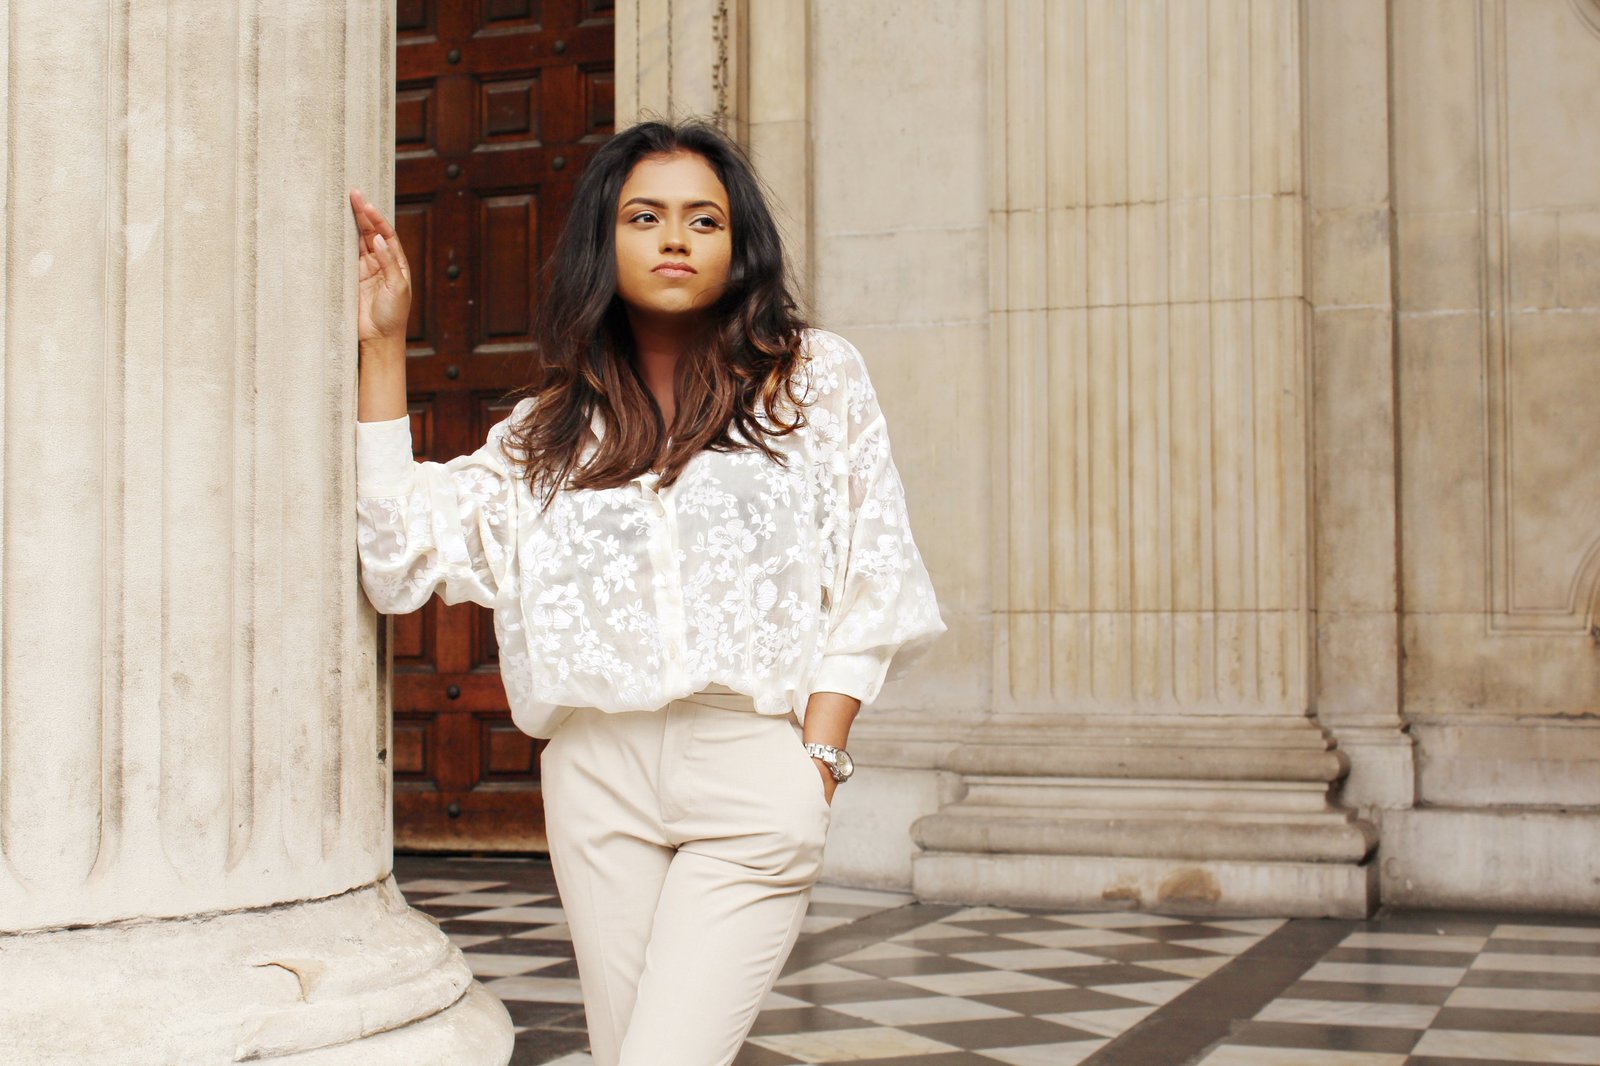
1268,432
1497,210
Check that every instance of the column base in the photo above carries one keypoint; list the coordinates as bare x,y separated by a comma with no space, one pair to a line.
1218,816
356,978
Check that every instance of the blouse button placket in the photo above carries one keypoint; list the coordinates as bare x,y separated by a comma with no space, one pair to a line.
669,587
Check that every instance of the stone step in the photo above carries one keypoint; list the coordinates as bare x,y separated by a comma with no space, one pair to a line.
1336,837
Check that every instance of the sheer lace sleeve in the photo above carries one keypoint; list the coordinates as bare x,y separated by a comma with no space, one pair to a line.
884,613
427,527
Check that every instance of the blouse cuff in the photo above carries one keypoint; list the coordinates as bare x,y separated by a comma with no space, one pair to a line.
858,675
383,457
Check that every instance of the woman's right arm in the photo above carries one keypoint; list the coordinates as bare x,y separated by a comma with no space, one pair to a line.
431,527
385,306
425,527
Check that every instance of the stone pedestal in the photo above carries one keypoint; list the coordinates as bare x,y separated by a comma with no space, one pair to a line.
195,842
1220,817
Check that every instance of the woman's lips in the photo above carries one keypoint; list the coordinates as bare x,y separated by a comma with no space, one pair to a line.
675,270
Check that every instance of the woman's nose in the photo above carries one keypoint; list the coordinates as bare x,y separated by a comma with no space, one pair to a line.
673,237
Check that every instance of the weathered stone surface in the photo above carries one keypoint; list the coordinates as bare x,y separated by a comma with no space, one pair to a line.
195,837
303,982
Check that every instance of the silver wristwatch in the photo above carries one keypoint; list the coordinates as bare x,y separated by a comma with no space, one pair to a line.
839,762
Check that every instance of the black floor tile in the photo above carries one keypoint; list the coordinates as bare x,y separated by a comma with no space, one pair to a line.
1326,1037
1565,1022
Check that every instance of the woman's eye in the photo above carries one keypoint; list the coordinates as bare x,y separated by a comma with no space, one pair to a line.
643,216
710,222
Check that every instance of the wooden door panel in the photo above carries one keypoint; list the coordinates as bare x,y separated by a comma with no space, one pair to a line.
508,109
509,14
498,105
508,261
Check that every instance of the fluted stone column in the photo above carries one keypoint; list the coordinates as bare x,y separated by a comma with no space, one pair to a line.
1153,743
195,839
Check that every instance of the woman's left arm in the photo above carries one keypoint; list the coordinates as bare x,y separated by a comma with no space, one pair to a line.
885,613
828,718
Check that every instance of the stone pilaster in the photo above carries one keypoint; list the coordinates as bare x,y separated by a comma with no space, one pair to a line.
746,66
1152,743
195,842
1351,291
677,58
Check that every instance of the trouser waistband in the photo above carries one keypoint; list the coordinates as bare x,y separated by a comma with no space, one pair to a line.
720,696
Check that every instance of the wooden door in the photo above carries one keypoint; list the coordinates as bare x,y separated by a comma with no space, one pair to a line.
499,104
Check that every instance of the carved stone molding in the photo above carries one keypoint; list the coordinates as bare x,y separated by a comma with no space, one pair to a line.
1513,609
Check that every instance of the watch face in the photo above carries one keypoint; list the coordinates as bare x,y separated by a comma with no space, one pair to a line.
845,764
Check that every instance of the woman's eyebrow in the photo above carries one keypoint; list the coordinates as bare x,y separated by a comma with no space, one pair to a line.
660,205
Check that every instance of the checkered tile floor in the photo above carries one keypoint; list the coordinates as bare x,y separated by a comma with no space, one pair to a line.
879,979
1421,991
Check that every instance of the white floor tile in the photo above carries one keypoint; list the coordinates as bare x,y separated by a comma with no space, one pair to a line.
1069,1054
1113,1022
480,899
468,940
1415,942
849,1045
1528,1047
1155,992
1382,974
557,931
1201,967
1030,958
1491,960
980,982
516,914
1075,938
1558,933
931,931
923,1010
1238,1055
439,885
820,973
1220,945
885,950
493,964
1525,999
1334,1012
984,913
778,1001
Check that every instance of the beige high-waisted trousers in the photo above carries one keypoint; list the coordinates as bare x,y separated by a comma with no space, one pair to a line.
685,842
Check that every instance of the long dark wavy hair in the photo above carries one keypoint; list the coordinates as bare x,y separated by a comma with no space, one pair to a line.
586,360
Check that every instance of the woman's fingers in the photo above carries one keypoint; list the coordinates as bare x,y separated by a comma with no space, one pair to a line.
380,251
359,205
373,224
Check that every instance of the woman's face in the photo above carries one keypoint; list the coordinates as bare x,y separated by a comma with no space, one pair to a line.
673,239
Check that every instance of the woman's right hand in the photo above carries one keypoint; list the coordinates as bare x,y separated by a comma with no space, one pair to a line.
384,275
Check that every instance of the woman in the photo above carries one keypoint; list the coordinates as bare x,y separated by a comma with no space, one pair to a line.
697,549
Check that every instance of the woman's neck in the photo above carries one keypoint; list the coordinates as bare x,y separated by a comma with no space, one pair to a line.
660,341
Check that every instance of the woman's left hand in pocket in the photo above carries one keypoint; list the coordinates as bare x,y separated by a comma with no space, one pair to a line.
828,783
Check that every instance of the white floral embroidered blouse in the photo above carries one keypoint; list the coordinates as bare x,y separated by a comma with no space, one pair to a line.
774,582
